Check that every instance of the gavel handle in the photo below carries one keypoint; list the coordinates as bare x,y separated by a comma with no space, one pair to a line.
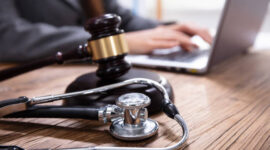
20,69
59,58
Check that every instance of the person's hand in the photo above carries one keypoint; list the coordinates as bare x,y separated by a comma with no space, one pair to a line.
191,30
161,37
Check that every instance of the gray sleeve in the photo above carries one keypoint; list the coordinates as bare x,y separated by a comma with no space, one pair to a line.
21,40
129,21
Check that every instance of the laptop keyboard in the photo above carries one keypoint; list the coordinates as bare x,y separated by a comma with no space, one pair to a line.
181,56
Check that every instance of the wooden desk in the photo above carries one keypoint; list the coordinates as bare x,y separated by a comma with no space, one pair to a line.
228,108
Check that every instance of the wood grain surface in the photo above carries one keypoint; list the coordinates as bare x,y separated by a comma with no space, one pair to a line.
229,108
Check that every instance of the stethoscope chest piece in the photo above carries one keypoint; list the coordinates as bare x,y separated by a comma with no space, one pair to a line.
135,124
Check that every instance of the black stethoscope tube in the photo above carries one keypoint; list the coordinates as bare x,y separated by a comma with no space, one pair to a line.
57,112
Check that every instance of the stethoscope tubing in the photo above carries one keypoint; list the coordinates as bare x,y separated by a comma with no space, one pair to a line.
78,112
168,108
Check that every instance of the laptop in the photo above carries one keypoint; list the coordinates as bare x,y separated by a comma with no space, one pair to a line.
237,30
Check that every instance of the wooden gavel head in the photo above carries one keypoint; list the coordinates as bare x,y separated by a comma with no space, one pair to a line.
107,46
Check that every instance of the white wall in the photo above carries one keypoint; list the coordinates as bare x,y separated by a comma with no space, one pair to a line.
146,7
203,12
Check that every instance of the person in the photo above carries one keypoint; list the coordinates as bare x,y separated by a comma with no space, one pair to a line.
32,29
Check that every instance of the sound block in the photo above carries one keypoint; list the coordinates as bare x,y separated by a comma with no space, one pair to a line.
90,81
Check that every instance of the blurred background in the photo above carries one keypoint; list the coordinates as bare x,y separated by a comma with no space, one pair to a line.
205,13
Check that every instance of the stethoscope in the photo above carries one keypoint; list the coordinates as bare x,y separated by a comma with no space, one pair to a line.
129,117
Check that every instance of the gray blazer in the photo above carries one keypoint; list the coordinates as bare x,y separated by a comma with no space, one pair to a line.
33,29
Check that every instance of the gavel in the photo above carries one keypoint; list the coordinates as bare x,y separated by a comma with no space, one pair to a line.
106,47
